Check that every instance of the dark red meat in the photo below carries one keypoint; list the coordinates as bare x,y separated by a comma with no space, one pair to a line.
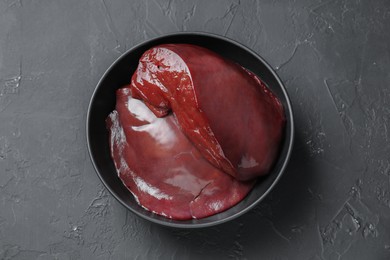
160,166
227,112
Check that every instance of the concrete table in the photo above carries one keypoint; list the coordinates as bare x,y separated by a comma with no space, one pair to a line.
333,201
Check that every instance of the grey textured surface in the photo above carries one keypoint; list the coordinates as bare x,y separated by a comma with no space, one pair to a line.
332,203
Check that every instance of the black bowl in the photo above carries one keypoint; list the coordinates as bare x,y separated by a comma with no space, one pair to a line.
119,74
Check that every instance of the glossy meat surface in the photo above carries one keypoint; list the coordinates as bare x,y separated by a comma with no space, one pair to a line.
226,111
160,166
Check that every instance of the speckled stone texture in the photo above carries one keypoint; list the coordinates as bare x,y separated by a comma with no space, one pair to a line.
333,201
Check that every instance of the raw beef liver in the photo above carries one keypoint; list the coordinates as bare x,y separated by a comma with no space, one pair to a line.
161,167
228,113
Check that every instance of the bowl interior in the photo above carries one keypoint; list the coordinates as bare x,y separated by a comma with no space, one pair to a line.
119,74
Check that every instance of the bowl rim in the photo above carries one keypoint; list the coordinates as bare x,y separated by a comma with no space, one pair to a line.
237,214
